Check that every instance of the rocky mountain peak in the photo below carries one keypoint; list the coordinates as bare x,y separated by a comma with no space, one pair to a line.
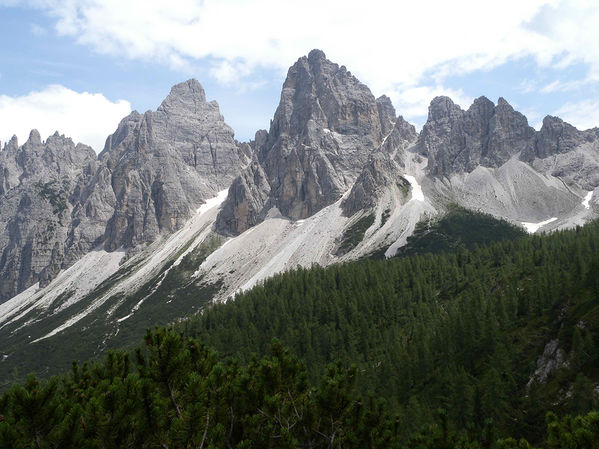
326,125
317,55
486,134
185,95
319,90
34,138
405,131
165,163
442,108
12,144
39,185
483,108
59,200
557,136
502,102
125,128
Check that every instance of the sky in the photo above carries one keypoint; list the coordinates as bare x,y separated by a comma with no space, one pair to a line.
80,66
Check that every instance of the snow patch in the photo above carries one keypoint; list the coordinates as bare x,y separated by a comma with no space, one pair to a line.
403,221
213,202
587,200
385,138
531,228
417,194
120,320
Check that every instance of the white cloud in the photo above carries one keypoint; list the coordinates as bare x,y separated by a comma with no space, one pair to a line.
583,114
527,86
384,42
391,46
86,117
413,102
230,72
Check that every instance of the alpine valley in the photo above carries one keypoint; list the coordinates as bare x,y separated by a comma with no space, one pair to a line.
175,214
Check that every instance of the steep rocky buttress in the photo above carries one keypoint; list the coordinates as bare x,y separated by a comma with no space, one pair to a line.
58,200
486,134
165,163
40,183
323,131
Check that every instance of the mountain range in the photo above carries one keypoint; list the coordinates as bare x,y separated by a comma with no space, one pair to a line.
175,213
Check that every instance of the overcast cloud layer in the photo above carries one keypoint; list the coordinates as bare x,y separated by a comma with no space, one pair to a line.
406,49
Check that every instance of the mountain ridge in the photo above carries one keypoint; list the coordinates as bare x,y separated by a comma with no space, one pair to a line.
337,177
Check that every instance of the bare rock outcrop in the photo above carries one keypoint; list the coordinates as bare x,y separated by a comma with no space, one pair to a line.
40,182
323,131
563,151
383,169
59,200
247,197
165,163
486,134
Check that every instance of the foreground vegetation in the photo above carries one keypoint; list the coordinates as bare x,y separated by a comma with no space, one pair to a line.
178,394
459,331
426,351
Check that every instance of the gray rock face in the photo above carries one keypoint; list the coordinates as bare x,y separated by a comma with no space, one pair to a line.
455,140
58,200
39,191
164,164
247,197
329,134
386,114
563,151
384,168
552,358
557,137
326,125
379,173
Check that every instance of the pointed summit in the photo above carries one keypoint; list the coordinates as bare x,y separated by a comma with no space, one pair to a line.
325,127
442,107
12,144
190,87
177,157
557,136
186,94
316,55
34,138
503,102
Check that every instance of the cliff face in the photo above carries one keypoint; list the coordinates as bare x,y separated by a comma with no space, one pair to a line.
40,184
165,163
58,200
383,169
323,131
486,134
562,150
